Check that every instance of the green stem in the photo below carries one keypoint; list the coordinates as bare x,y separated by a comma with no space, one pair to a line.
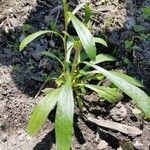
65,6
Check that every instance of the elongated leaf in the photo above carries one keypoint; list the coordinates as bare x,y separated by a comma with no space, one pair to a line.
128,78
87,12
140,97
102,58
64,117
51,55
112,95
85,36
33,36
100,40
41,111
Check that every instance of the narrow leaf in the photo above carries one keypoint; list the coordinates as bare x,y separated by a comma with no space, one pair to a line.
85,36
139,96
128,78
87,12
100,40
33,36
51,55
64,117
41,111
112,95
102,58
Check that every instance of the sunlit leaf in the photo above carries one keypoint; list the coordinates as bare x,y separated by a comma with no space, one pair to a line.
33,36
41,111
100,40
85,36
110,94
102,58
139,96
128,78
64,117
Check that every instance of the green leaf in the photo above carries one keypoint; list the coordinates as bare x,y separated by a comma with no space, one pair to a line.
26,27
41,111
139,96
102,58
100,40
112,95
138,28
33,36
128,78
51,55
87,11
85,36
64,116
146,11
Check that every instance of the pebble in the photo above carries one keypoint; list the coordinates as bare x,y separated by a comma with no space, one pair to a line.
138,145
119,112
21,37
36,55
130,22
103,145
52,43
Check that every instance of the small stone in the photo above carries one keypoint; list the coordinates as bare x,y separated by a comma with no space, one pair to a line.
138,145
36,55
21,37
103,145
130,23
119,112
52,43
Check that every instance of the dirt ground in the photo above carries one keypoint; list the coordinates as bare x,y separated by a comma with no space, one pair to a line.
23,73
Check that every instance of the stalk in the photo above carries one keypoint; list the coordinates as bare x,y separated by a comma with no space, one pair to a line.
65,7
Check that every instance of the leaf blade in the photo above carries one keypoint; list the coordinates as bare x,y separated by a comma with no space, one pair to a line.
64,117
102,58
85,36
33,36
41,111
139,96
112,95
128,78
100,40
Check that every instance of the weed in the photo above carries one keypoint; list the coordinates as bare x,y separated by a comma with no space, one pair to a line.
76,75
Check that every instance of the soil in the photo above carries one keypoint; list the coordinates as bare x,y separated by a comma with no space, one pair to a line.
23,73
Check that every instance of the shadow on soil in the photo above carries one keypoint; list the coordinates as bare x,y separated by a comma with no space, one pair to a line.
29,68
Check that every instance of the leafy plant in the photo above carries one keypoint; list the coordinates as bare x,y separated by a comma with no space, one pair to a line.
77,74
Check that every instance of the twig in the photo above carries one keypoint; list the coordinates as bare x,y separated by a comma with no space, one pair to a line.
129,130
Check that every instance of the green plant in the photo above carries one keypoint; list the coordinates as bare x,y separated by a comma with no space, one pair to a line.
75,78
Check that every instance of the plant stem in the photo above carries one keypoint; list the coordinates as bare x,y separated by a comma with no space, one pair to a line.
65,6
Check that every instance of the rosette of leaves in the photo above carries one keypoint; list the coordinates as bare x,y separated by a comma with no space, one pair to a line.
75,77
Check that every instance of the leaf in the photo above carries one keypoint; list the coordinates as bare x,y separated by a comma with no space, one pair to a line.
102,58
87,11
64,116
146,11
85,36
139,96
112,95
100,40
33,36
138,28
128,78
41,111
51,55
